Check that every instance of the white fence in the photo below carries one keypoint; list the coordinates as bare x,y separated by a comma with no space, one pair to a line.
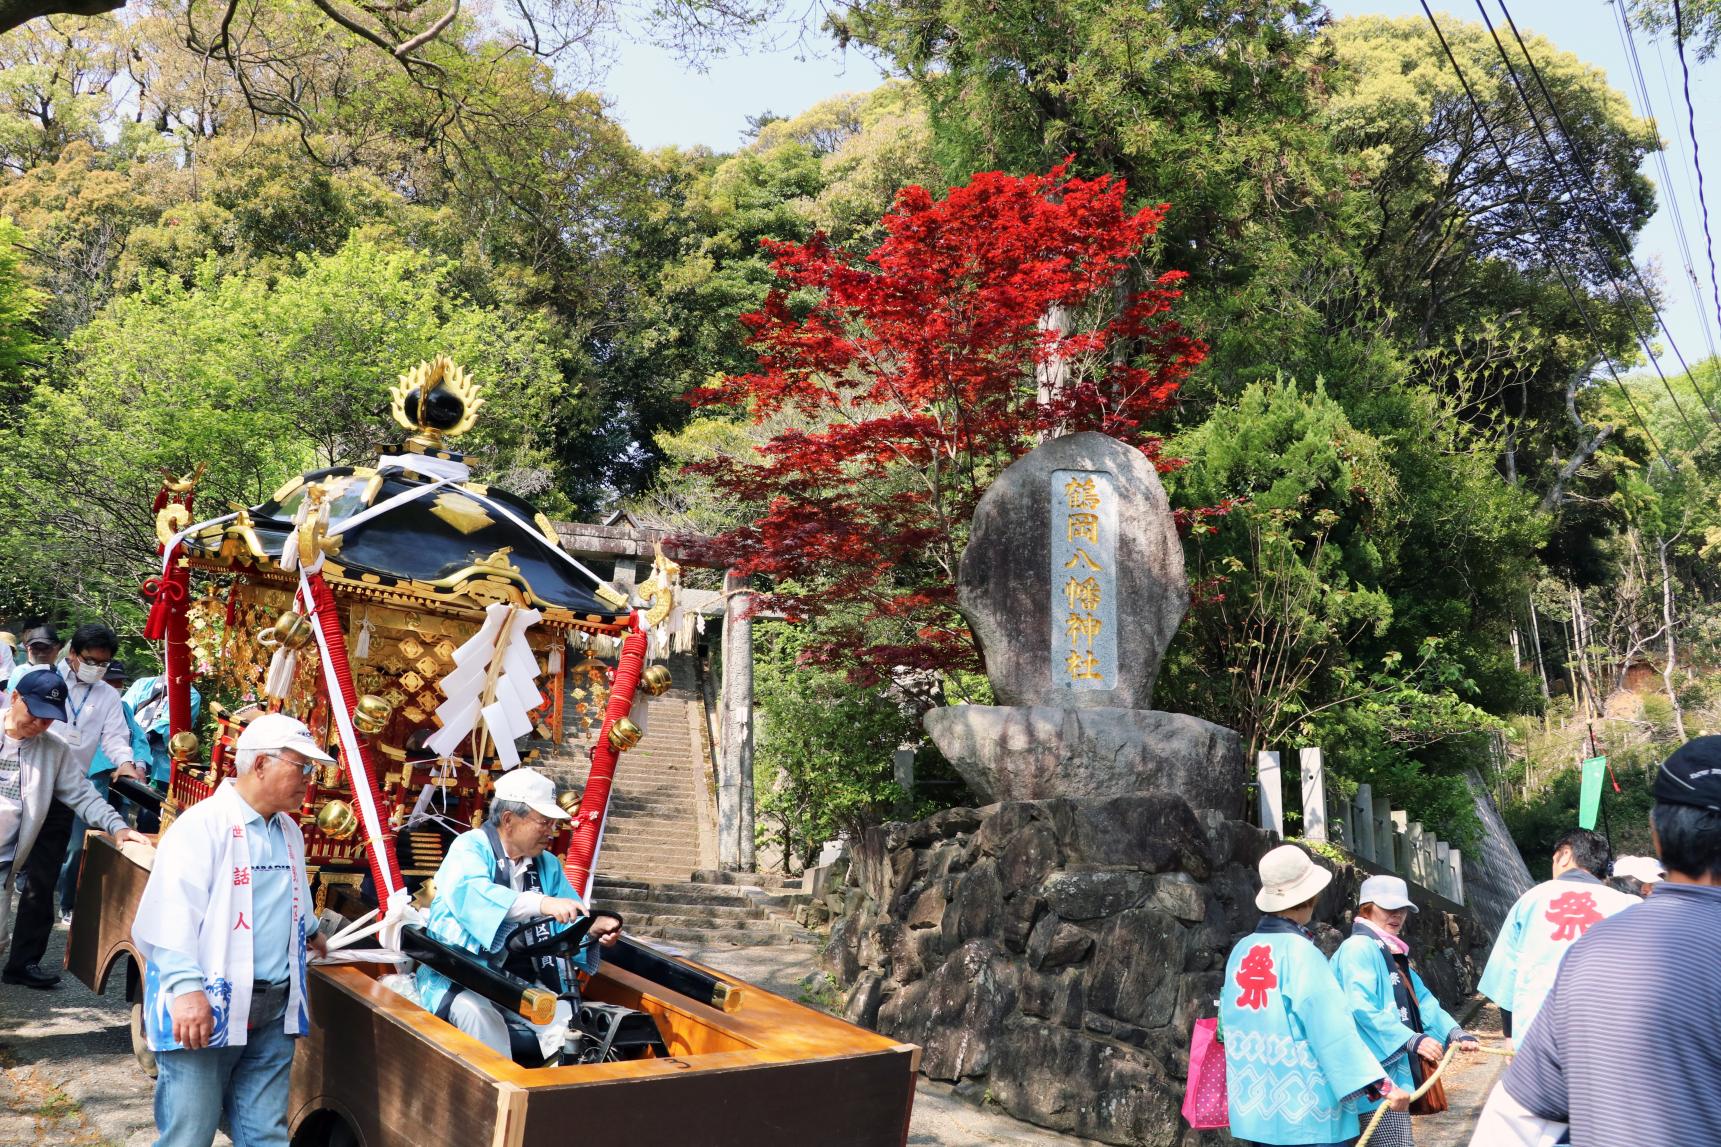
1366,826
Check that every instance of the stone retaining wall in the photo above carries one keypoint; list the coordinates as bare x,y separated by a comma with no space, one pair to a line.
1050,956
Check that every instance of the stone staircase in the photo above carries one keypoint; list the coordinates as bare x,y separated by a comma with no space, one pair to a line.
703,912
657,827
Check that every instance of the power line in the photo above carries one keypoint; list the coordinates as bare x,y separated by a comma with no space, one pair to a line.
1696,152
1530,218
1681,234
1622,247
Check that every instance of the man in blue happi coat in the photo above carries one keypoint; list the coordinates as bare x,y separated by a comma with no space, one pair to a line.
493,881
1295,1065
1547,920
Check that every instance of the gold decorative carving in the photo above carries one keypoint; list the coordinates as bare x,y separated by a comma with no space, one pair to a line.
461,512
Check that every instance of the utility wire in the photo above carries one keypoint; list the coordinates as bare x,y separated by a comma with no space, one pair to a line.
1696,153
1530,218
1681,233
1621,246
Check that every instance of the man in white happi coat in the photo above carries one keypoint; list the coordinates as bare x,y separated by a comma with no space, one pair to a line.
1547,920
223,927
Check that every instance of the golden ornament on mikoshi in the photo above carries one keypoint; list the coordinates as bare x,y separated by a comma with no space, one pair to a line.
624,735
590,688
290,629
569,800
371,714
655,680
183,745
337,820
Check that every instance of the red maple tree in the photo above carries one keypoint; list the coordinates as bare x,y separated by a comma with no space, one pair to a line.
984,323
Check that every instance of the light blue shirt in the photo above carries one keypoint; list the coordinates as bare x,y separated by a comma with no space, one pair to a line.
470,908
271,910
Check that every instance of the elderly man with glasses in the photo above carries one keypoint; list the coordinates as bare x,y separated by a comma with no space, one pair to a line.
224,926
493,881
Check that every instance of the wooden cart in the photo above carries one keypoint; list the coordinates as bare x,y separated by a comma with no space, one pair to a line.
377,1070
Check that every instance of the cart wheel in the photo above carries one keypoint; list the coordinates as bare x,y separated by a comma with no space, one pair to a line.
326,1129
140,1041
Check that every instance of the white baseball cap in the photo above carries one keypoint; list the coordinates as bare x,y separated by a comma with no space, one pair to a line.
1288,878
268,732
532,789
1386,892
1643,868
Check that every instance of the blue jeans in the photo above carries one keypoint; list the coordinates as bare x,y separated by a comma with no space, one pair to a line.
194,1089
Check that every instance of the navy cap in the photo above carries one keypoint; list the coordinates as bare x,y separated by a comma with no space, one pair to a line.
41,635
1691,775
116,672
44,693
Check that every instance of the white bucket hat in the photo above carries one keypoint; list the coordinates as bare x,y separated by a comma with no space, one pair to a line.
1288,878
1386,892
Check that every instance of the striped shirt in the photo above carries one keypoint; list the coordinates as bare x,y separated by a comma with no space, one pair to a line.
1626,1049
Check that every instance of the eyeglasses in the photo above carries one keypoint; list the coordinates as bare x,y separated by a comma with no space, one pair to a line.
305,767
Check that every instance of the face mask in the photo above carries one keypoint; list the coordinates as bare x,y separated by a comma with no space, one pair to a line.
89,672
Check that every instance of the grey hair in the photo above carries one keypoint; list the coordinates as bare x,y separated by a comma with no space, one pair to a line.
498,808
246,759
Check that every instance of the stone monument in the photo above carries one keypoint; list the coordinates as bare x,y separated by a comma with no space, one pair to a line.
1073,584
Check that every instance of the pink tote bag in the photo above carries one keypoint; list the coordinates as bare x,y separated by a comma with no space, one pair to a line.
1204,1101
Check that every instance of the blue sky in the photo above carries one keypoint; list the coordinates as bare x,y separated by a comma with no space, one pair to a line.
660,101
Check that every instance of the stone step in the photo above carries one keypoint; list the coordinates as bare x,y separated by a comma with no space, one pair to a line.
623,830
658,908
664,892
656,922
744,939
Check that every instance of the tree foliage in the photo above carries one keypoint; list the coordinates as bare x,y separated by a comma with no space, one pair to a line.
919,372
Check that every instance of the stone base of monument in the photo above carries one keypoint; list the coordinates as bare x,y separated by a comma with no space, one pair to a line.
1050,956
1008,752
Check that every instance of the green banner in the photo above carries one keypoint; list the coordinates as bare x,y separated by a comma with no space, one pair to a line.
1589,798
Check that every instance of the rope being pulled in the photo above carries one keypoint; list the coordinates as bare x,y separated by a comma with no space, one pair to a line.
1451,1052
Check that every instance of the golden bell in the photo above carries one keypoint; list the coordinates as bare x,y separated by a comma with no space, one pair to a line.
337,820
371,714
569,800
292,630
655,680
624,735
183,745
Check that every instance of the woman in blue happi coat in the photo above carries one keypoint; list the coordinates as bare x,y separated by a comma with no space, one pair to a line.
1295,1065
1399,1018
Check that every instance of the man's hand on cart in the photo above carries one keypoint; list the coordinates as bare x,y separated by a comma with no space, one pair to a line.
128,769
127,835
608,930
193,1020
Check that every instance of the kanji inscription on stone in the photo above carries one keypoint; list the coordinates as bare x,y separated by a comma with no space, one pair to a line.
1084,579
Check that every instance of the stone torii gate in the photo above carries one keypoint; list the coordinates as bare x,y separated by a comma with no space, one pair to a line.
631,545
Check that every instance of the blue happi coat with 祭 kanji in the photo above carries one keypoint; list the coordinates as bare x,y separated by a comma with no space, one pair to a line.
1371,988
1545,921
1294,1062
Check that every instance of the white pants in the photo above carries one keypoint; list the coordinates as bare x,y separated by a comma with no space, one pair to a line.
482,1020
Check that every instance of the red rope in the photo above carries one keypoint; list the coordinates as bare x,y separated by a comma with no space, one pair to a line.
589,821
328,621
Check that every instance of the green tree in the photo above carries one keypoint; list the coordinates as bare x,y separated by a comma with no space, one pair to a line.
260,380
824,754
20,348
